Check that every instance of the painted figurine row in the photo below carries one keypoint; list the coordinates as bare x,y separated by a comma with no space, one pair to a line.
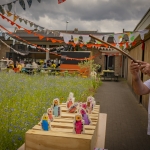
81,118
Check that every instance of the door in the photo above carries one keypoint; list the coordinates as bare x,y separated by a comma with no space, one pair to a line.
111,62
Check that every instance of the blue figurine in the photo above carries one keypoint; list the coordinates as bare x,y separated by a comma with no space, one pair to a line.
56,108
45,122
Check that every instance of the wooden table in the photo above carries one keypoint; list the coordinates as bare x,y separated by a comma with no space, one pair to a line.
108,74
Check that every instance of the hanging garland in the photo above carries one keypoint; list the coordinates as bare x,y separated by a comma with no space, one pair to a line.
23,54
67,58
21,2
37,27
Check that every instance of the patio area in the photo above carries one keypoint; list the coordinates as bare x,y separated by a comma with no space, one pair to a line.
126,127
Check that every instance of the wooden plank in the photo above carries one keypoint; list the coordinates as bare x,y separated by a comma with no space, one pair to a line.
94,139
70,125
65,114
37,127
41,140
101,130
70,121
95,111
22,147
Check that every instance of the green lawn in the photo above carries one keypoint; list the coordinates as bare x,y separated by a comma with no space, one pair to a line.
24,98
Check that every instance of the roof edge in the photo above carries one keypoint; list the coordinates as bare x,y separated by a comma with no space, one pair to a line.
141,19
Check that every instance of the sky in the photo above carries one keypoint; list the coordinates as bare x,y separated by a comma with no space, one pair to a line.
87,15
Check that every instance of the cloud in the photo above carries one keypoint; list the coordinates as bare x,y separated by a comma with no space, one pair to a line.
101,15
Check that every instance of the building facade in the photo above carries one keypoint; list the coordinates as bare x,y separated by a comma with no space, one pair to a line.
108,59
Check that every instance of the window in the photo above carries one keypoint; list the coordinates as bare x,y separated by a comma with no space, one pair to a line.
21,47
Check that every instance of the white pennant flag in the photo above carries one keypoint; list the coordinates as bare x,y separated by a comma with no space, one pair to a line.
106,37
14,41
6,37
142,33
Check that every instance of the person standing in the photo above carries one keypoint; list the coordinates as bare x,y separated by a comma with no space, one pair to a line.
141,88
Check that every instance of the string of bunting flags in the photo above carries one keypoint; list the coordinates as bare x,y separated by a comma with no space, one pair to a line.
32,24
23,54
35,46
10,5
29,31
81,44
85,38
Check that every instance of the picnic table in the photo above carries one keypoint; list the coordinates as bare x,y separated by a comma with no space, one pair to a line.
110,74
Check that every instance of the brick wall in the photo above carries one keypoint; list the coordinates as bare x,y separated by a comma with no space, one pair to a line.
101,61
97,59
118,63
3,50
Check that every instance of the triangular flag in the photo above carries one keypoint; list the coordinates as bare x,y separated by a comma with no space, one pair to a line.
18,26
131,37
9,5
29,2
20,19
25,21
61,1
15,18
14,41
6,36
117,38
106,38
142,33
2,10
31,24
12,23
35,26
22,3
41,37
9,14
39,1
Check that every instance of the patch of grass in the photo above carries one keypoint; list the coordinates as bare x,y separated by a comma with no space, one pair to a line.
24,98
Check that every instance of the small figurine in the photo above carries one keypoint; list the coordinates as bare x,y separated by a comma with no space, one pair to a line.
82,105
50,114
90,104
85,116
70,100
78,124
56,108
73,108
45,123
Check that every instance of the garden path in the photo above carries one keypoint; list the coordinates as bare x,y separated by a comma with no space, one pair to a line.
126,127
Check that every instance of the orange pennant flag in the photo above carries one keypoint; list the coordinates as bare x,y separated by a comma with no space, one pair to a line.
28,31
113,44
12,23
41,37
18,26
15,18
9,14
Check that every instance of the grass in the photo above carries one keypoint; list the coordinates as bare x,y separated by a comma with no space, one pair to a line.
24,98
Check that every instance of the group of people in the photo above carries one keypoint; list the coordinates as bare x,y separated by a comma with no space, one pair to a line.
22,66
